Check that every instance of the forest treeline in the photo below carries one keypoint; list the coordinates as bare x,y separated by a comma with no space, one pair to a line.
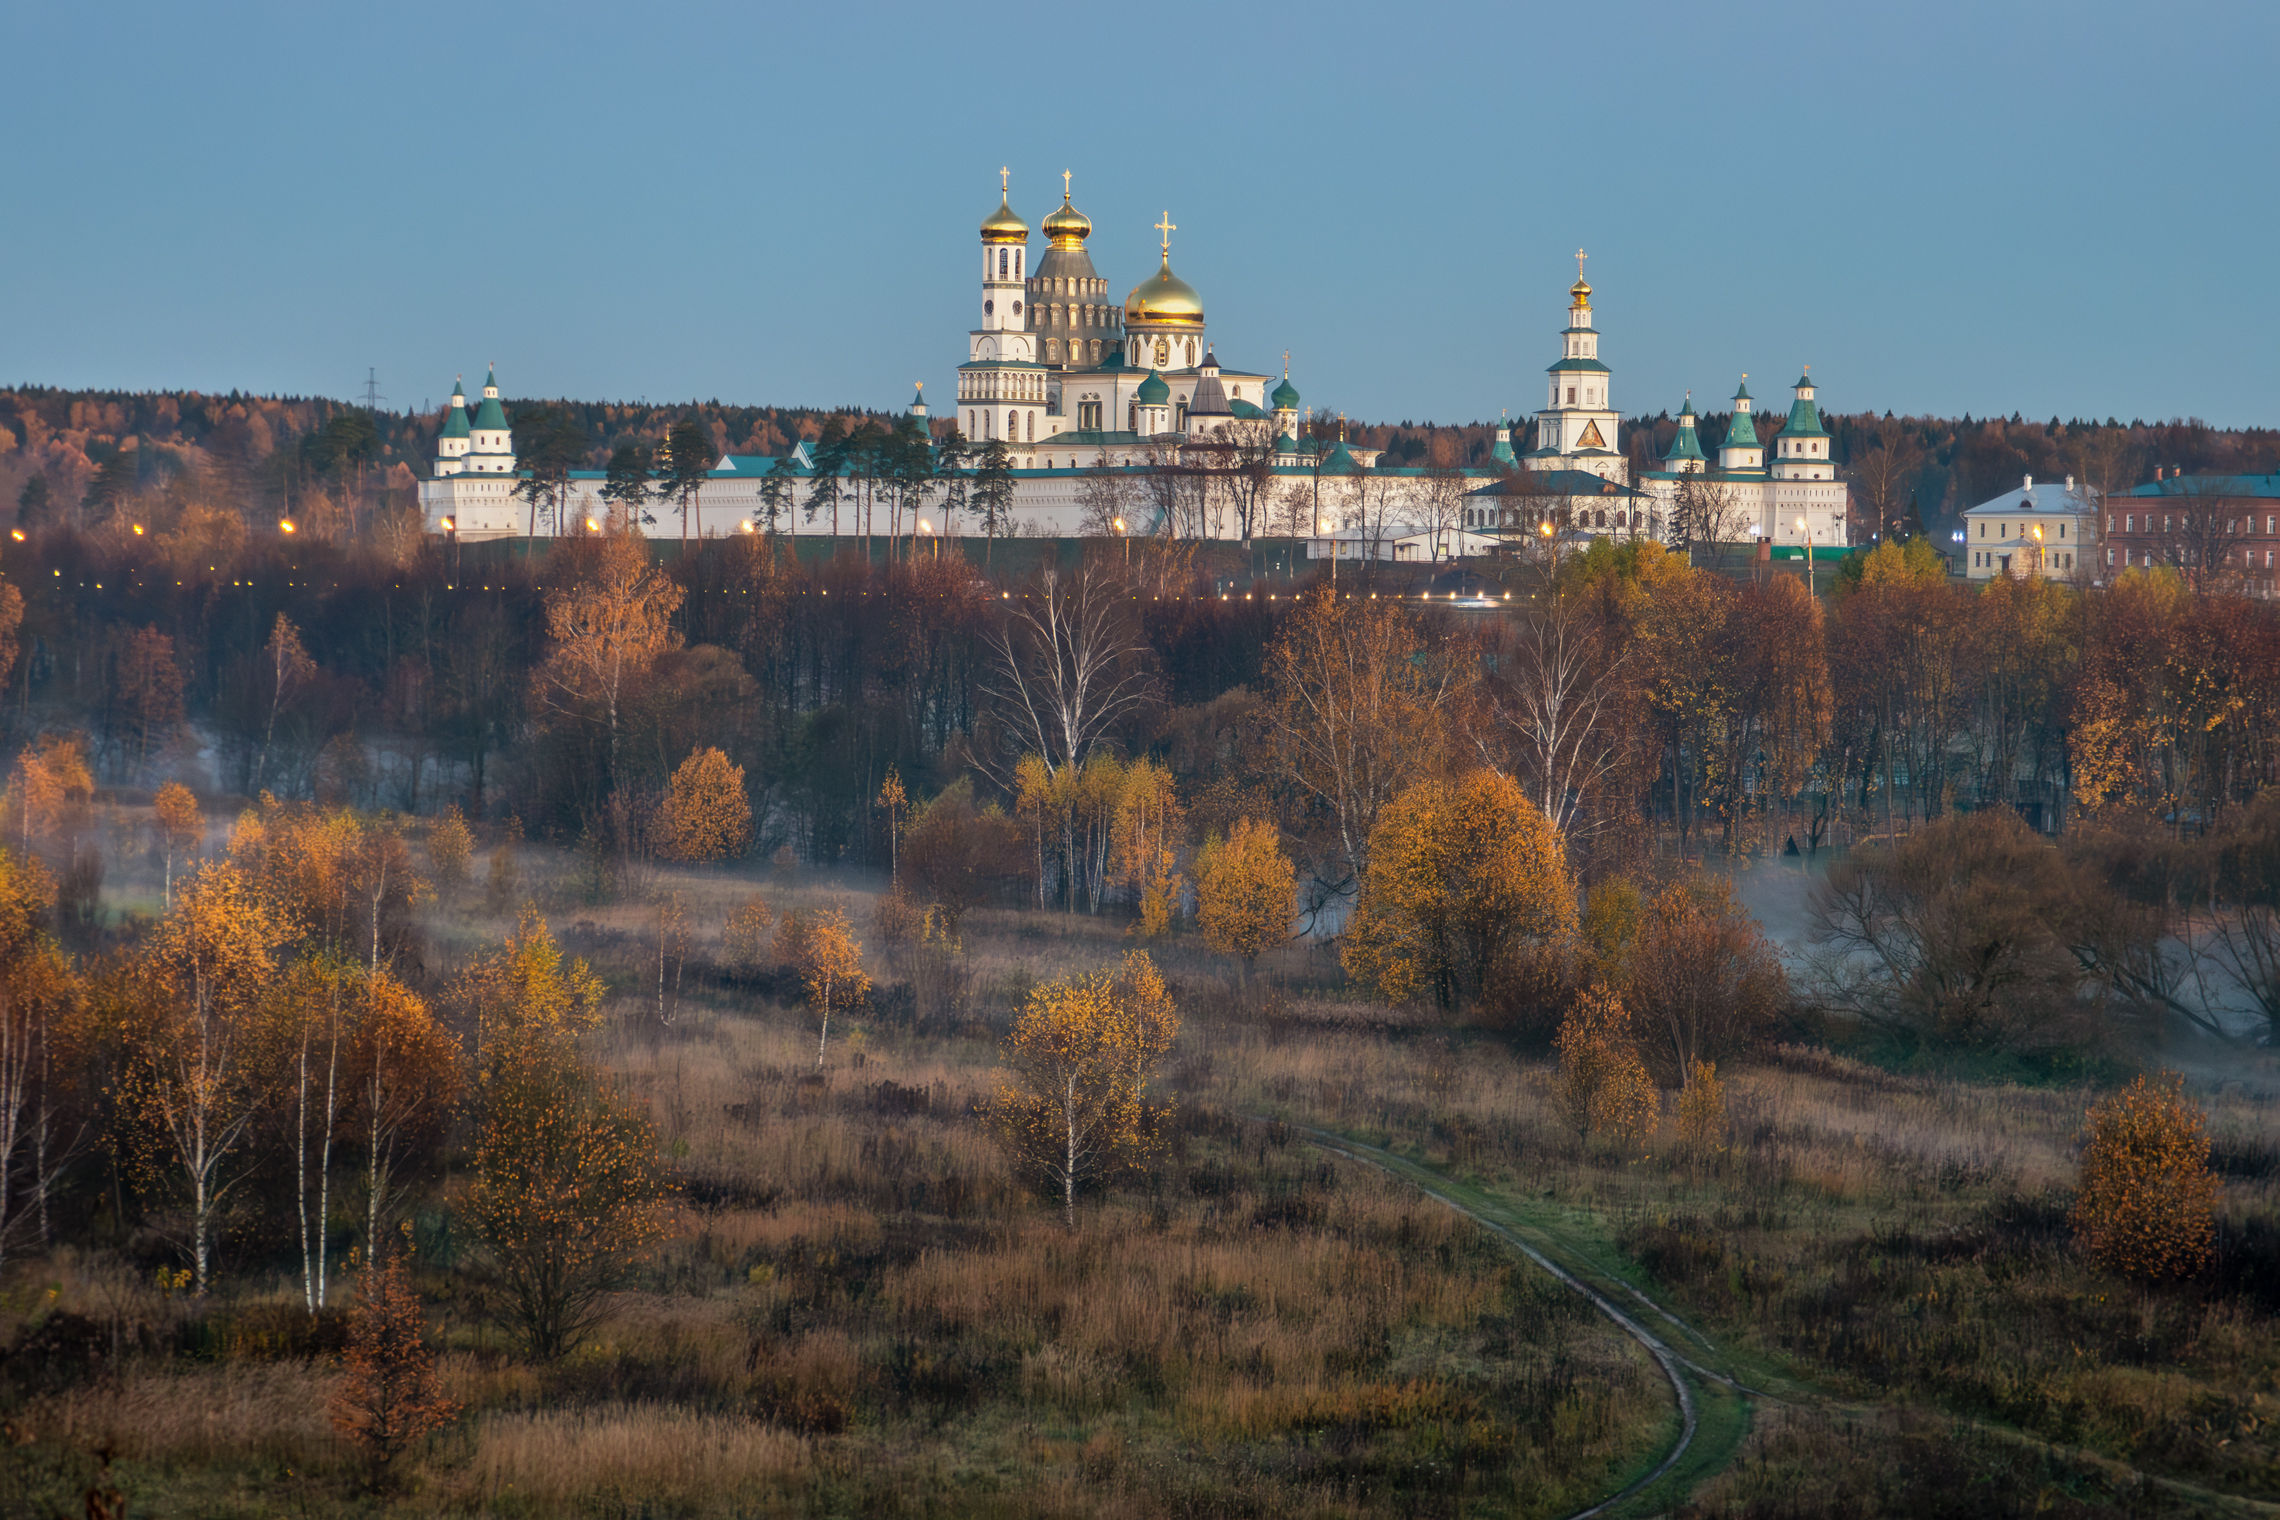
266,455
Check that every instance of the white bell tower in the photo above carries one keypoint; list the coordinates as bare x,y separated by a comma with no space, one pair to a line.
1001,386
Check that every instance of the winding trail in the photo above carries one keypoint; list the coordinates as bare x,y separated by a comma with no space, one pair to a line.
1727,1394
1674,1365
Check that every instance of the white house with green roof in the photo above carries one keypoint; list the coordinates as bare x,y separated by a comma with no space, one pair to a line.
472,490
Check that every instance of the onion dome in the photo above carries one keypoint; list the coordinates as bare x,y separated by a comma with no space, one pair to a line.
1068,227
1285,397
1579,294
1153,391
1164,297
1003,225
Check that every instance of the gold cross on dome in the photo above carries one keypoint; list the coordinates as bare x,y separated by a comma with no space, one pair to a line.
1167,227
1064,184
1580,256
1286,364
1005,181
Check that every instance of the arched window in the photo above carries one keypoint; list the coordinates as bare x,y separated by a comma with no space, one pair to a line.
1191,353
1096,350
1052,350
1003,259
1031,436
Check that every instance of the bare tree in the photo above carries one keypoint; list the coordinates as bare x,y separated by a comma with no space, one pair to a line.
1442,493
1555,709
1067,663
1704,510
1884,478
1109,499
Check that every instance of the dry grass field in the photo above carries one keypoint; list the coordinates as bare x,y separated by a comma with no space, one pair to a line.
863,1311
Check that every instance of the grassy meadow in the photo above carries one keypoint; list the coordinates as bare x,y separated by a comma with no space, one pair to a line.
863,1310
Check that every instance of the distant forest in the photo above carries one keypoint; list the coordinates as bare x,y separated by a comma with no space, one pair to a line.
69,455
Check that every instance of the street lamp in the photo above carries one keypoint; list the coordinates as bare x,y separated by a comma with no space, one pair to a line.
2037,531
1125,534
450,525
926,531
285,526
1322,526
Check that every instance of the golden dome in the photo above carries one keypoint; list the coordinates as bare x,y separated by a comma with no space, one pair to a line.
1003,226
1068,227
1579,294
1164,297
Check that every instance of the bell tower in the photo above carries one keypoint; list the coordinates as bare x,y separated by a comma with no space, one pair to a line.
1001,386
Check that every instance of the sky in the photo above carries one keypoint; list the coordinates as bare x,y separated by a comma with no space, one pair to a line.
2054,209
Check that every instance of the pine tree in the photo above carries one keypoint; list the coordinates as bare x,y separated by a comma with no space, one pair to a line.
391,1396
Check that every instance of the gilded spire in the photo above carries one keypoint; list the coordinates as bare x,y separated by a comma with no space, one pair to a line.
1580,292
1167,227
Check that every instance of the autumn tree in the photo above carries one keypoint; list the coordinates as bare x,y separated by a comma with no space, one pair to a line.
606,628
672,919
821,946
401,1077
181,829
1358,699
567,1190
1701,1104
526,984
1145,840
2146,1203
40,996
1246,891
1066,664
1603,1087
1462,877
959,852
449,848
309,1016
391,1396
1074,1105
1702,981
707,815
196,1078
285,669
744,938
892,800
148,688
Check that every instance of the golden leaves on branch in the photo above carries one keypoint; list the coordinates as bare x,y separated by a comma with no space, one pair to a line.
1603,1087
1463,877
1246,891
707,815
450,847
821,946
1073,1106
391,1396
2146,1203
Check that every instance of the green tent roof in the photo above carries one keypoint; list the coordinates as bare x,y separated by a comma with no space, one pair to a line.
1741,433
455,415
491,415
1686,445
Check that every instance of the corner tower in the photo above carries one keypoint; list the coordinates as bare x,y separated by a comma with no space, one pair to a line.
1741,453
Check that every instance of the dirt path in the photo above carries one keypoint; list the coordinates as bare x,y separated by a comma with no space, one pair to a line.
1675,1367
1713,1405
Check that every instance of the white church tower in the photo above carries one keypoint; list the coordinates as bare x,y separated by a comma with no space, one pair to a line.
1001,386
1576,430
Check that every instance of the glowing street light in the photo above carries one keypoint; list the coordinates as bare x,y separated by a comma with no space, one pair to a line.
285,526
926,529
1127,537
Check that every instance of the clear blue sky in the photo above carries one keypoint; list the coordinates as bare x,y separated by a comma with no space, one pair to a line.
2062,208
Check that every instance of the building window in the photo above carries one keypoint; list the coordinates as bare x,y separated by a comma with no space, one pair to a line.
1571,395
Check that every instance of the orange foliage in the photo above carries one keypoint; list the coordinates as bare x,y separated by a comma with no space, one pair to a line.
707,815
2146,1205
1603,1088
1246,892
391,1396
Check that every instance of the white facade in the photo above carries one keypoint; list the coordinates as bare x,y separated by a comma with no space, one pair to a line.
2047,530
1577,428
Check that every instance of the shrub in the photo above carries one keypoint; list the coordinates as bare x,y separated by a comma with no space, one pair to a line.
2146,1205
1604,1088
391,1396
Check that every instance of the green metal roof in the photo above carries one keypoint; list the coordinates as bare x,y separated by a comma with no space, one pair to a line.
1502,453
1804,420
1686,445
1743,392
1153,391
1285,397
491,415
1286,444
1592,366
1741,433
455,415
1245,411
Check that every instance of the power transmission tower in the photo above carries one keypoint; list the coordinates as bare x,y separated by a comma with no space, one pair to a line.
372,396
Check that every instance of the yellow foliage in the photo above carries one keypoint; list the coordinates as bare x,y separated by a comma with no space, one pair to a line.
743,940
822,947
1074,1105
1246,891
2146,1205
524,986
1462,875
1604,1088
707,815
449,849
1702,1104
